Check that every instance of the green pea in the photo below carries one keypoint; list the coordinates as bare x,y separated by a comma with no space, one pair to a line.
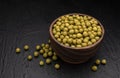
50,53
54,57
79,41
38,47
47,46
57,66
85,40
18,50
70,40
74,36
81,30
103,61
48,61
59,39
79,35
94,28
45,55
93,40
85,34
66,44
94,68
84,44
41,51
36,54
92,36
78,46
89,43
75,41
97,37
61,36
41,63
97,61
29,57
26,47
42,44
64,40
71,31
99,33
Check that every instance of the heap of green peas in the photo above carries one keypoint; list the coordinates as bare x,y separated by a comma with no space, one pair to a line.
77,30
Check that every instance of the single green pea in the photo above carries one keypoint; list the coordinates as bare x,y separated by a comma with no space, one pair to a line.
74,36
64,40
57,66
97,61
48,61
89,43
63,17
85,34
56,36
99,33
38,47
46,50
67,37
99,29
76,31
88,23
81,30
66,24
85,40
95,22
26,47
83,23
65,29
94,28
59,39
70,27
42,44
71,31
54,31
94,68
29,57
90,28
78,46
70,40
70,18
64,33
93,40
54,57
54,53
73,46
18,50
74,41
89,17
47,46
103,61
62,27
84,44
66,44
58,33
58,29
94,25
97,37
41,63
41,51
50,49
45,55
79,35
36,54
50,53
79,41
58,23
61,36
92,36
71,22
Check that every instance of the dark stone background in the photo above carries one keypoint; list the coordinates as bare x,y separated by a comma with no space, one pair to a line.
27,22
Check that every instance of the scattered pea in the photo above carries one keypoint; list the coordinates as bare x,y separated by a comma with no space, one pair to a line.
54,57
94,68
48,61
97,62
36,54
18,50
26,47
41,63
38,47
29,57
103,61
57,66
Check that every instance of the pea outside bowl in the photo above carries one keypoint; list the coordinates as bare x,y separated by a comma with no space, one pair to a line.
75,55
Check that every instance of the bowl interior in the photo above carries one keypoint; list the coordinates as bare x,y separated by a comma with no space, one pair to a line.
90,46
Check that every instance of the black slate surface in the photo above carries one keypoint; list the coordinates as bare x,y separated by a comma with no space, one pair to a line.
27,22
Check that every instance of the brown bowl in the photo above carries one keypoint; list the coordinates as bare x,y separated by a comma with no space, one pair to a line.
74,55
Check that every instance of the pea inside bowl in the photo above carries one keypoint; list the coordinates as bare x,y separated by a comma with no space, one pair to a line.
76,37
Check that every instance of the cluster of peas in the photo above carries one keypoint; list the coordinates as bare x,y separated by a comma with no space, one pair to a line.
46,51
98,62
77,30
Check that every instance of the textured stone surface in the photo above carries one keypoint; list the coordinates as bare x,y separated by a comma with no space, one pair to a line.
27,22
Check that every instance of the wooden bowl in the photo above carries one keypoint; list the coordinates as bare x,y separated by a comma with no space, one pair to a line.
74,55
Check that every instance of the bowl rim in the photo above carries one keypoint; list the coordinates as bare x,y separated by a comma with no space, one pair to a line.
77,48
